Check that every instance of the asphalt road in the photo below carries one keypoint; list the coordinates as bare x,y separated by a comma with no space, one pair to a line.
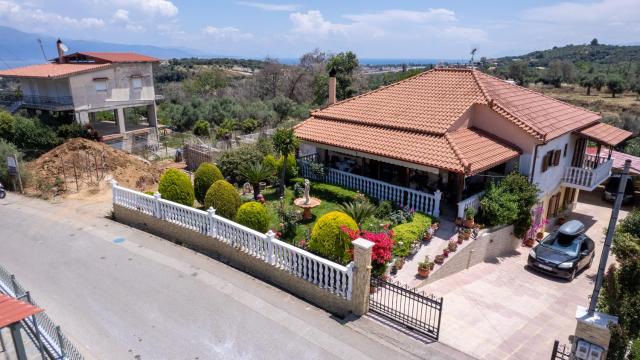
119,293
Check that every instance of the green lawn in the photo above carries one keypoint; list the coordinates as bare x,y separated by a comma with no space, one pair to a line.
272,205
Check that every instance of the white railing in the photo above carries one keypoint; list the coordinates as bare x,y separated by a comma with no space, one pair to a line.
470,202
335,278
585,178
418,200
592,161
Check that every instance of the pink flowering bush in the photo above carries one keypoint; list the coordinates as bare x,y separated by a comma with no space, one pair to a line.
382,250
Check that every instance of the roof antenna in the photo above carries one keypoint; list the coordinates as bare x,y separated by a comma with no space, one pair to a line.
42,49
473,53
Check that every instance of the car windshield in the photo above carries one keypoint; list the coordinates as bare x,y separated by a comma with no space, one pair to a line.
568,244
612,185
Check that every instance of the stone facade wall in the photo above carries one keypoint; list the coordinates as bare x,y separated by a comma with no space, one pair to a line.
491,244
236,258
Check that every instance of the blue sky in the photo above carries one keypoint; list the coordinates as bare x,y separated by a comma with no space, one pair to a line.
373,29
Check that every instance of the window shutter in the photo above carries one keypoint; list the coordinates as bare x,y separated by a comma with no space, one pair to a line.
556,158
545,162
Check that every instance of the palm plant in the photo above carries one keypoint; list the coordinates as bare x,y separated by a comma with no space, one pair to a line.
285,142
254,173
359,210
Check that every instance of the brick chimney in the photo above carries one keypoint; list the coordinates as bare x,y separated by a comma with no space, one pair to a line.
60,51
332,86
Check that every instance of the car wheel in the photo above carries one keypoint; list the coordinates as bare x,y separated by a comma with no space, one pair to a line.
573,274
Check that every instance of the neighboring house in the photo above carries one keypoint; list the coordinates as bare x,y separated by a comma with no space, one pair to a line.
433,141
86,83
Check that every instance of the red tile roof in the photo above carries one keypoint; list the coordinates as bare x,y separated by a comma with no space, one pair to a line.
51,70
13,310
119,57
455,152
606,134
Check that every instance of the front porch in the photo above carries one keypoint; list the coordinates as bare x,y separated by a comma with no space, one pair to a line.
433,191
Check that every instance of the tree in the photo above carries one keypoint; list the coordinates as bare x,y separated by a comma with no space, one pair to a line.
344,63
616,85
206,82
254,173
599,80
594,42
632,146
587,82
518,71
270,78
285,143
201,128
553,74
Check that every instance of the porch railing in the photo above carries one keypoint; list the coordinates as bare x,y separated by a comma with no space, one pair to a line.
586,177
470,202
418,200
51,101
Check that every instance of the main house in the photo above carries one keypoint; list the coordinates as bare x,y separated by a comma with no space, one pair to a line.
87,83
432,142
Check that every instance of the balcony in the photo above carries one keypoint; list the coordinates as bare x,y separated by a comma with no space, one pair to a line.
594,171
53,103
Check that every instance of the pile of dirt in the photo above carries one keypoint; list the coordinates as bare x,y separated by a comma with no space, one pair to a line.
81,164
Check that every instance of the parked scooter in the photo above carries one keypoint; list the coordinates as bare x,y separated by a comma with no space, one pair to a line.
3,193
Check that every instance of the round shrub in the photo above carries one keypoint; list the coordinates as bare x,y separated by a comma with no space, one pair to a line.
327,238
204,177
201,128
176,186
253,215
223,197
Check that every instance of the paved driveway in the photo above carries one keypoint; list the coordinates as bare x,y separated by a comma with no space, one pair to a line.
503,310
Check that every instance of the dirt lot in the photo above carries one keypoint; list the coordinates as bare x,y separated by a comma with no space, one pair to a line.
503,310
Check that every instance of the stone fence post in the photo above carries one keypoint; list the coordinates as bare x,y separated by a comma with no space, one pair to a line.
436,207
271,259
592,332
212,227
114,185
157,212
361,276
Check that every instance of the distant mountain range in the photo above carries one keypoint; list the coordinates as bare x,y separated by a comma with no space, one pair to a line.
19,48
599,54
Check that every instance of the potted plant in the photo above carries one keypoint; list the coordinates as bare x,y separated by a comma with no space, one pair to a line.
445,252
539,235
439,259
424,267
469,214
399,263
460,239
458,221
427,235
465,234
452,246
528,242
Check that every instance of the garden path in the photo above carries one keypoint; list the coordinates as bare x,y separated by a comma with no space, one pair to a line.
408,274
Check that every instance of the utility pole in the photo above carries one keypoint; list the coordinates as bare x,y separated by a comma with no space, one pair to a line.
607,240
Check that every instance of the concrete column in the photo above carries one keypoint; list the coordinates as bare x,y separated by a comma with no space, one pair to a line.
92,117
82,117
152,115
120,120
361,276
592,329
18,344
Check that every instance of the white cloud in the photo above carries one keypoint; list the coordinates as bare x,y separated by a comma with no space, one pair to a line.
431,15
151,7
312,22
31,18
121,15
269,7
135,28
226,33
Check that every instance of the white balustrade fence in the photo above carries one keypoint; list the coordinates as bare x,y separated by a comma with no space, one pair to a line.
418,200
587,178
470,202
335,278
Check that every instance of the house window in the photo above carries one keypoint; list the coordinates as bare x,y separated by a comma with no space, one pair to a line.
101,85
565,151
550,159
136,83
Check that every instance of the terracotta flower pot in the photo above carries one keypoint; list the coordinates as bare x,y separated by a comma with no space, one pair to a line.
539,235
529,242
399,263
423,272
468,223
460,240
445,252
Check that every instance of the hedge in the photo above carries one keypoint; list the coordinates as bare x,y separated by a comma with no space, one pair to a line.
408,233
253,215
203,178
224,198
329,192
176,186
327,238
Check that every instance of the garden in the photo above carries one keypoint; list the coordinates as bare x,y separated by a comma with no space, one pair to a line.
257,187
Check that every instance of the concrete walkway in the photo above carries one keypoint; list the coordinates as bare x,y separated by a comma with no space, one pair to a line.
119,293
504,310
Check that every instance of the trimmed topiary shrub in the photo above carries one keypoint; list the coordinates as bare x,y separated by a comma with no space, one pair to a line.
327,238
204,177
253,215
329,192
201,128
223,197
176,186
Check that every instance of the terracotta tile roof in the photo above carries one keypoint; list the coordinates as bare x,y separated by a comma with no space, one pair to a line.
429,102
13,310
463,151
118,57
51,70
606,134
432,101
534,112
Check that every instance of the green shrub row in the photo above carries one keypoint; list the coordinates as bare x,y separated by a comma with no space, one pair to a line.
407,234
329,192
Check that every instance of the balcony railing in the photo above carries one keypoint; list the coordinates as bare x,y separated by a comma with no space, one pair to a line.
472,201
418,200
594,171
48,102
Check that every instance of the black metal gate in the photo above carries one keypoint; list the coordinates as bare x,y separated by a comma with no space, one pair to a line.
407,307
560,351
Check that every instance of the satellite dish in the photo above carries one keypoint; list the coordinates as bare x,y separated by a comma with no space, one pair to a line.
64,47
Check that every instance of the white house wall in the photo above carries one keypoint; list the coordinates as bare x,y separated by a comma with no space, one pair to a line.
549,181
45,87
